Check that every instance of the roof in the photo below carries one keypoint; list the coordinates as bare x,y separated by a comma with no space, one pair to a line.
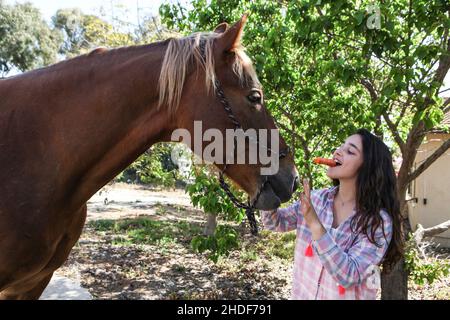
446,119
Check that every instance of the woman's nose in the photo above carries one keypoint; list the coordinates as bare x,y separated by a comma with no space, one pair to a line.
337,152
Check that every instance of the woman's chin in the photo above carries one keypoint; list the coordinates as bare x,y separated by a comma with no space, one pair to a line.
332,175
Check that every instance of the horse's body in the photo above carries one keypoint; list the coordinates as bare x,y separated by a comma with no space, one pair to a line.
68,129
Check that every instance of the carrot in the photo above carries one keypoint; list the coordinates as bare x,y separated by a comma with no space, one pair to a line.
328,162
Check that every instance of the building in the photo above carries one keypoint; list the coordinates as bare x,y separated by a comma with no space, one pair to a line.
429,194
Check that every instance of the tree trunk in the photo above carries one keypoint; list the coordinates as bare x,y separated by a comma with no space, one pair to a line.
378,130
394,285
211,224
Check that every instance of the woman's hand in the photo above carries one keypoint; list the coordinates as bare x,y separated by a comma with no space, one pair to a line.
306,206
308,212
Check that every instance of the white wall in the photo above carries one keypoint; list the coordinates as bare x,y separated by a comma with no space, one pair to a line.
434,186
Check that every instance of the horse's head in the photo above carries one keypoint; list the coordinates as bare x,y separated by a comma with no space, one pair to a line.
231,82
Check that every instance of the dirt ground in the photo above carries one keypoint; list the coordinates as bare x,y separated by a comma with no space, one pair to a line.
169,268
163,270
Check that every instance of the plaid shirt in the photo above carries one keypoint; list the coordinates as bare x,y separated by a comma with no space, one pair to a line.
340,264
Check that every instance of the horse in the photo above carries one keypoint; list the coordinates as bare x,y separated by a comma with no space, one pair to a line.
68,129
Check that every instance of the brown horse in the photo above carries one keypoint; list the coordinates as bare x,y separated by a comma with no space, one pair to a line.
68,129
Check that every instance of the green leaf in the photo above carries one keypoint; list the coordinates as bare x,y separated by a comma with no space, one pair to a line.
359,17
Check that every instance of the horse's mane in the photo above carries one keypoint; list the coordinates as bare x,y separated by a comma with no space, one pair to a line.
179,55
182,51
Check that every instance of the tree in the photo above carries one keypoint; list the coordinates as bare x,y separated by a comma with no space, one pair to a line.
304,102
26,41
205,192
328,67
151,29
85,32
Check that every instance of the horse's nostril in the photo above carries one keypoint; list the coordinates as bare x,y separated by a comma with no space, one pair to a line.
296,184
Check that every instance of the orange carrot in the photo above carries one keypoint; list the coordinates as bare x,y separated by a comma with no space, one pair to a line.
328,162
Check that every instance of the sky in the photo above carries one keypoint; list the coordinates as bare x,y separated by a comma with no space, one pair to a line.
127,8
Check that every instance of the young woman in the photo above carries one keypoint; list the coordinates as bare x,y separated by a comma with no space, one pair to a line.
345,232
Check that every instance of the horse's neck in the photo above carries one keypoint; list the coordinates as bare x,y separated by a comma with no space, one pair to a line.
119,121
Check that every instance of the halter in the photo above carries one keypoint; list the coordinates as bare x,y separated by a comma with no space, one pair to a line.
249,207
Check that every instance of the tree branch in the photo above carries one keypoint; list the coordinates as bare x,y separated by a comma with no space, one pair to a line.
421,232
405,105
436,154
444,64
290,131
287,114
394,131
368,85
329,36
417,132
319,141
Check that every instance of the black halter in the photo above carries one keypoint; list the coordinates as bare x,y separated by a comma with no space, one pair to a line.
249,206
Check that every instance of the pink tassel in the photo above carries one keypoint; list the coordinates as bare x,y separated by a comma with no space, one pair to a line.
341,290
309,251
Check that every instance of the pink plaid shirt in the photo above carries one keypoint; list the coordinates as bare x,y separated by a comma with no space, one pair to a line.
342,262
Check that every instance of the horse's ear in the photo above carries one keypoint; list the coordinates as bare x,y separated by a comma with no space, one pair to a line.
221,28
231,38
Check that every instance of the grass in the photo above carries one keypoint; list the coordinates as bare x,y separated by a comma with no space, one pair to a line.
248,255
443,295
167,233
280,245
147,231
179,268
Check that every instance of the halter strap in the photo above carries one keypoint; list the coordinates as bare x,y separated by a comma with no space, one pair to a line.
249,207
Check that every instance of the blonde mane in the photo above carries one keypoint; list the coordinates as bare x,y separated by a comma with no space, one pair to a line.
183,51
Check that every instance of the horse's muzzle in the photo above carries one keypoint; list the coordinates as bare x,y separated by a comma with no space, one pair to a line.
279,189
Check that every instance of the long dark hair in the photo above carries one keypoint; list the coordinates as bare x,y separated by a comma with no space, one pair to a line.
376,189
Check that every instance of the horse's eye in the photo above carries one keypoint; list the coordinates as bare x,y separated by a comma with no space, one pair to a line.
254,97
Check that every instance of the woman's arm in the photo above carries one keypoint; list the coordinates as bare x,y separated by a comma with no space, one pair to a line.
350,267
347,267
282,219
